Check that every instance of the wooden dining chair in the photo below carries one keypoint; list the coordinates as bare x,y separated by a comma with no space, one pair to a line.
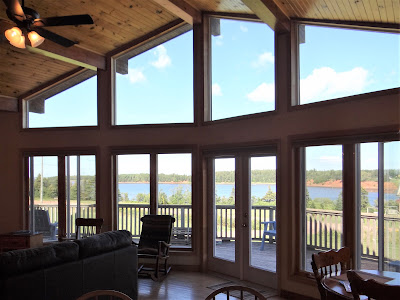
87,227
104,294
236,292
371,288
328,263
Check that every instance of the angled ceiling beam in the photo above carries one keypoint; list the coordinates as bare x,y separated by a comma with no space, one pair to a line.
8,104
270,13
181,9
73,55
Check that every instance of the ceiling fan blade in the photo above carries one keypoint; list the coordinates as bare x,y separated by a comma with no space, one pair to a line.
55,37
14,10
65,20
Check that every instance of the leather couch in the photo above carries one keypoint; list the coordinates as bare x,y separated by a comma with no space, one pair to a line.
66,270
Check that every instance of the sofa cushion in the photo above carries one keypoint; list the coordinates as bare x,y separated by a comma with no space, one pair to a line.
27,260
104,242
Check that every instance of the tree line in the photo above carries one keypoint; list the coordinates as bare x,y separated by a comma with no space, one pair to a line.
268,176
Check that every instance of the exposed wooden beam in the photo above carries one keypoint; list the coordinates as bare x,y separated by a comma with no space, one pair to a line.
58,84
8,104
74,55
270,13
182,9
385,27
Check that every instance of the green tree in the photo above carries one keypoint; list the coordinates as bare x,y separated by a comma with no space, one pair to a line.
270,196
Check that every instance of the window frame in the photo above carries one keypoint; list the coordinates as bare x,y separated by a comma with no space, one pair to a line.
154,151
295,63
61,155
350,189
139,46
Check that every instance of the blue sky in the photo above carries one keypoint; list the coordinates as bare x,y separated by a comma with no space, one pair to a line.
159,87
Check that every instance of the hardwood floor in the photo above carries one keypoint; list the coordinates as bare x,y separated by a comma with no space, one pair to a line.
191,286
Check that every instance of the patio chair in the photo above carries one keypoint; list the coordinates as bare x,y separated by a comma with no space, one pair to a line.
101,294
43,225
87,227
371,288
236,292
154,243
270,230
330,263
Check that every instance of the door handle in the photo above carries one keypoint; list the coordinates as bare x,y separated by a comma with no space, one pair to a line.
244,225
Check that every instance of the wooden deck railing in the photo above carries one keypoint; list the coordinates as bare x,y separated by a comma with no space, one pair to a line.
324,228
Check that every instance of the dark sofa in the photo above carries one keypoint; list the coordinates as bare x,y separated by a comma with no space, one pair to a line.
66,270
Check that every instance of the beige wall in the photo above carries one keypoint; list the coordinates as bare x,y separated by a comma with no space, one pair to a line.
371,113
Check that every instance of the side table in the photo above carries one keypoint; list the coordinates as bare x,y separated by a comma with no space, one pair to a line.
20,240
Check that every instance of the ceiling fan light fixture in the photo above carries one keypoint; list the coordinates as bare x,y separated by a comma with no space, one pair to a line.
15,37
35,39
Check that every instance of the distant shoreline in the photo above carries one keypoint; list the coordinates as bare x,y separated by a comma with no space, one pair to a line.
369,186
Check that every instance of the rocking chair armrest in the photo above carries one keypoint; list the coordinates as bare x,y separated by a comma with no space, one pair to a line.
163,246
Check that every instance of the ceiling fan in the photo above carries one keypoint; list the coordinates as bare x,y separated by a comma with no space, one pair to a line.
29,23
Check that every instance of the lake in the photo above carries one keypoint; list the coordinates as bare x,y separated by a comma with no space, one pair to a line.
258,190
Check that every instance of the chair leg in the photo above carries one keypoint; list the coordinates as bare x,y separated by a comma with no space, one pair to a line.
157,267
262,242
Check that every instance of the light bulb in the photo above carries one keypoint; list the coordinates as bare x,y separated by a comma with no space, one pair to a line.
35,38
15,37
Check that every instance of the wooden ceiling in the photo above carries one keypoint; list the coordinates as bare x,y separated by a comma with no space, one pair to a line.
119,22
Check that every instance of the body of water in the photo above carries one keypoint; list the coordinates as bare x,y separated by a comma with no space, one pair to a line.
258,190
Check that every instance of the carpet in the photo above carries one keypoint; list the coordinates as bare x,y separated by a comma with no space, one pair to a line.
265,291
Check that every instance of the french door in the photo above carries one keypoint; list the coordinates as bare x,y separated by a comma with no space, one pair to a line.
241,202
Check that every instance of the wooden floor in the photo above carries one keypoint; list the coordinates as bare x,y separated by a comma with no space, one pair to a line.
190,286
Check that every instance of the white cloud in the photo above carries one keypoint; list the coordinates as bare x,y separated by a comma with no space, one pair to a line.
325,83
163,60
136,75
216,90
243,28
265,92
264,59
330,159
219,40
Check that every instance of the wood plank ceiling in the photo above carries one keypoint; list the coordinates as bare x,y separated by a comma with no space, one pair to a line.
118,22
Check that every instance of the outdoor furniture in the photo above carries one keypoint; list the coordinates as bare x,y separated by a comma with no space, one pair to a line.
100,294
182,235
371,288
87,227
330,263
154,243
237,292
270,230
43,225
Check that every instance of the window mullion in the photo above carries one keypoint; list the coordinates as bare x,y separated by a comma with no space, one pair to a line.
153,183
381,208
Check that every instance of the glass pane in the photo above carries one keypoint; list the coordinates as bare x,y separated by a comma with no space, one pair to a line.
243,72
81,198
337,62
224,208
392,206
263,213
148,93
133,187
76,106
323,200
45,196
369,206
175,194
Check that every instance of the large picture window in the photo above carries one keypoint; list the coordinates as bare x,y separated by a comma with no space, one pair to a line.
170,175
44,191
156,86
243,72
337,62
76,106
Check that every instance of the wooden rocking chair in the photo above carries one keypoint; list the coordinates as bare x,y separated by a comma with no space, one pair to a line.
154,243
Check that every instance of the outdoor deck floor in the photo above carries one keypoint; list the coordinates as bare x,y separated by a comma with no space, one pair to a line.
265,259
